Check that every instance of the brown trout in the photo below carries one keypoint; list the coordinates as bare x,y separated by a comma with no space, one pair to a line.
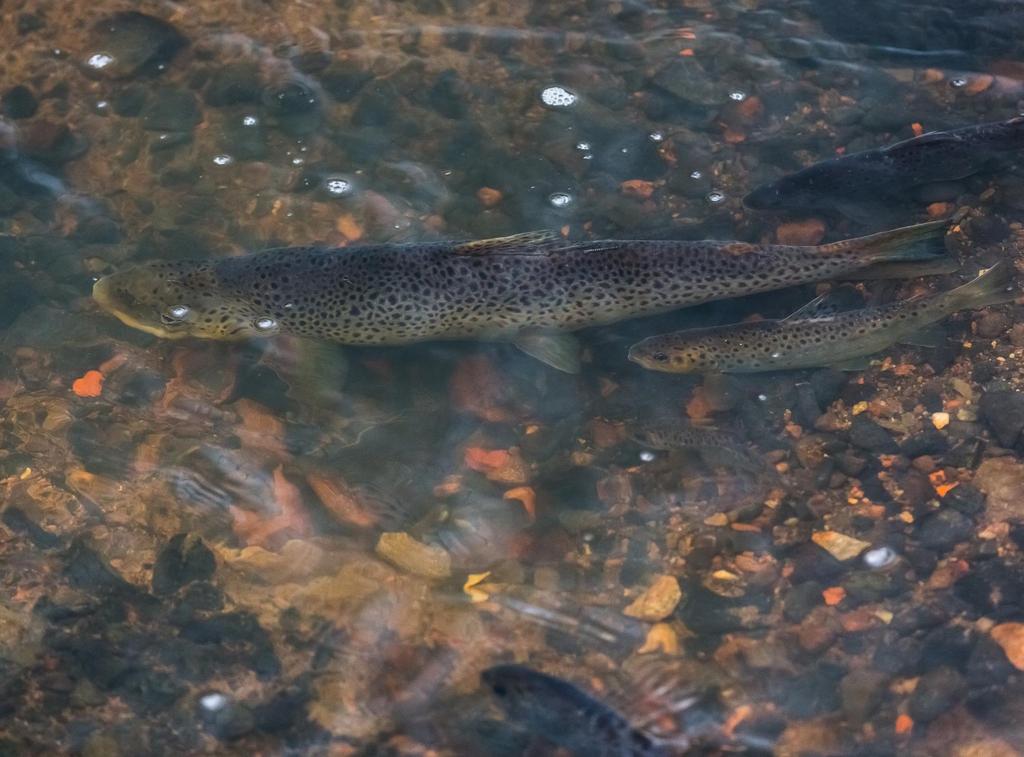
815,335
529,289
864,180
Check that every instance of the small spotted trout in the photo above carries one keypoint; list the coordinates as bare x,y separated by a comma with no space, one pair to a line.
563,714
816,335
530,289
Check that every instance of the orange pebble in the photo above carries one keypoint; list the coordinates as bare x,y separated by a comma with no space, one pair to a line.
488,196
89,385
904,724
527,496
834,595
484,460
637,188
917,129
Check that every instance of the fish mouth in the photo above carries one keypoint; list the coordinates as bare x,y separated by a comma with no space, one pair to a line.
102,293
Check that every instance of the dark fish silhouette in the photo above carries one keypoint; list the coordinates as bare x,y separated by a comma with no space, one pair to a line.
563,714
921,168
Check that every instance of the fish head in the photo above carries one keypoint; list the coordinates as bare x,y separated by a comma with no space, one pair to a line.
520,690
764,197
668,353
175,300
806,189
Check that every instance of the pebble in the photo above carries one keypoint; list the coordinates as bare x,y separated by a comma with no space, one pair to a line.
1001,479
686,79
171,109
992,324
861,692
233,84
658,601
183,559
1010,636
840,546
819,630
807,232
123,44
937,692
1002,411
18,102
944,529
405,552
868,435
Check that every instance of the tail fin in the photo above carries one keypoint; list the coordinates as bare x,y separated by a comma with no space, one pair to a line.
925,241
991,287
1001,135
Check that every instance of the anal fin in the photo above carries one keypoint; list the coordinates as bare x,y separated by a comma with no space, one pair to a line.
560,351
929,336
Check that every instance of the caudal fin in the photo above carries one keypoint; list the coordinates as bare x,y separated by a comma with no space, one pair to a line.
991,287
925,241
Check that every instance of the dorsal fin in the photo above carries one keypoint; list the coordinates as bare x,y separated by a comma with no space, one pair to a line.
828,305
527,243
924,139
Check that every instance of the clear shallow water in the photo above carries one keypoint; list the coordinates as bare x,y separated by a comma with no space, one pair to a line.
193,548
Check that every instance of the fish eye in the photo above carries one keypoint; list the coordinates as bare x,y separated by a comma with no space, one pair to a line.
175,314
660,357
266,323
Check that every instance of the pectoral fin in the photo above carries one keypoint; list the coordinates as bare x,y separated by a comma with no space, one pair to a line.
828,305
560,351
929,336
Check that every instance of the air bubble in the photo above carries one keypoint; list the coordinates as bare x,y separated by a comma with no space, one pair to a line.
656,136
99,60
560,199
762,397
557,96
776,355
716,197
337,187
881,557
738,95
250,121
213,702
696,175
647,456
958,82
223,160
583,146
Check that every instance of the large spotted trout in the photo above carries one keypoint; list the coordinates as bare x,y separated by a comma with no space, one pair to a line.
530,289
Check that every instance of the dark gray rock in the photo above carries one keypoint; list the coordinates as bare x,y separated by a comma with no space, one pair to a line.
128,43
19,102
945,529
233,84
1002,411
861,692
171,110
182,561
868,435
936,693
